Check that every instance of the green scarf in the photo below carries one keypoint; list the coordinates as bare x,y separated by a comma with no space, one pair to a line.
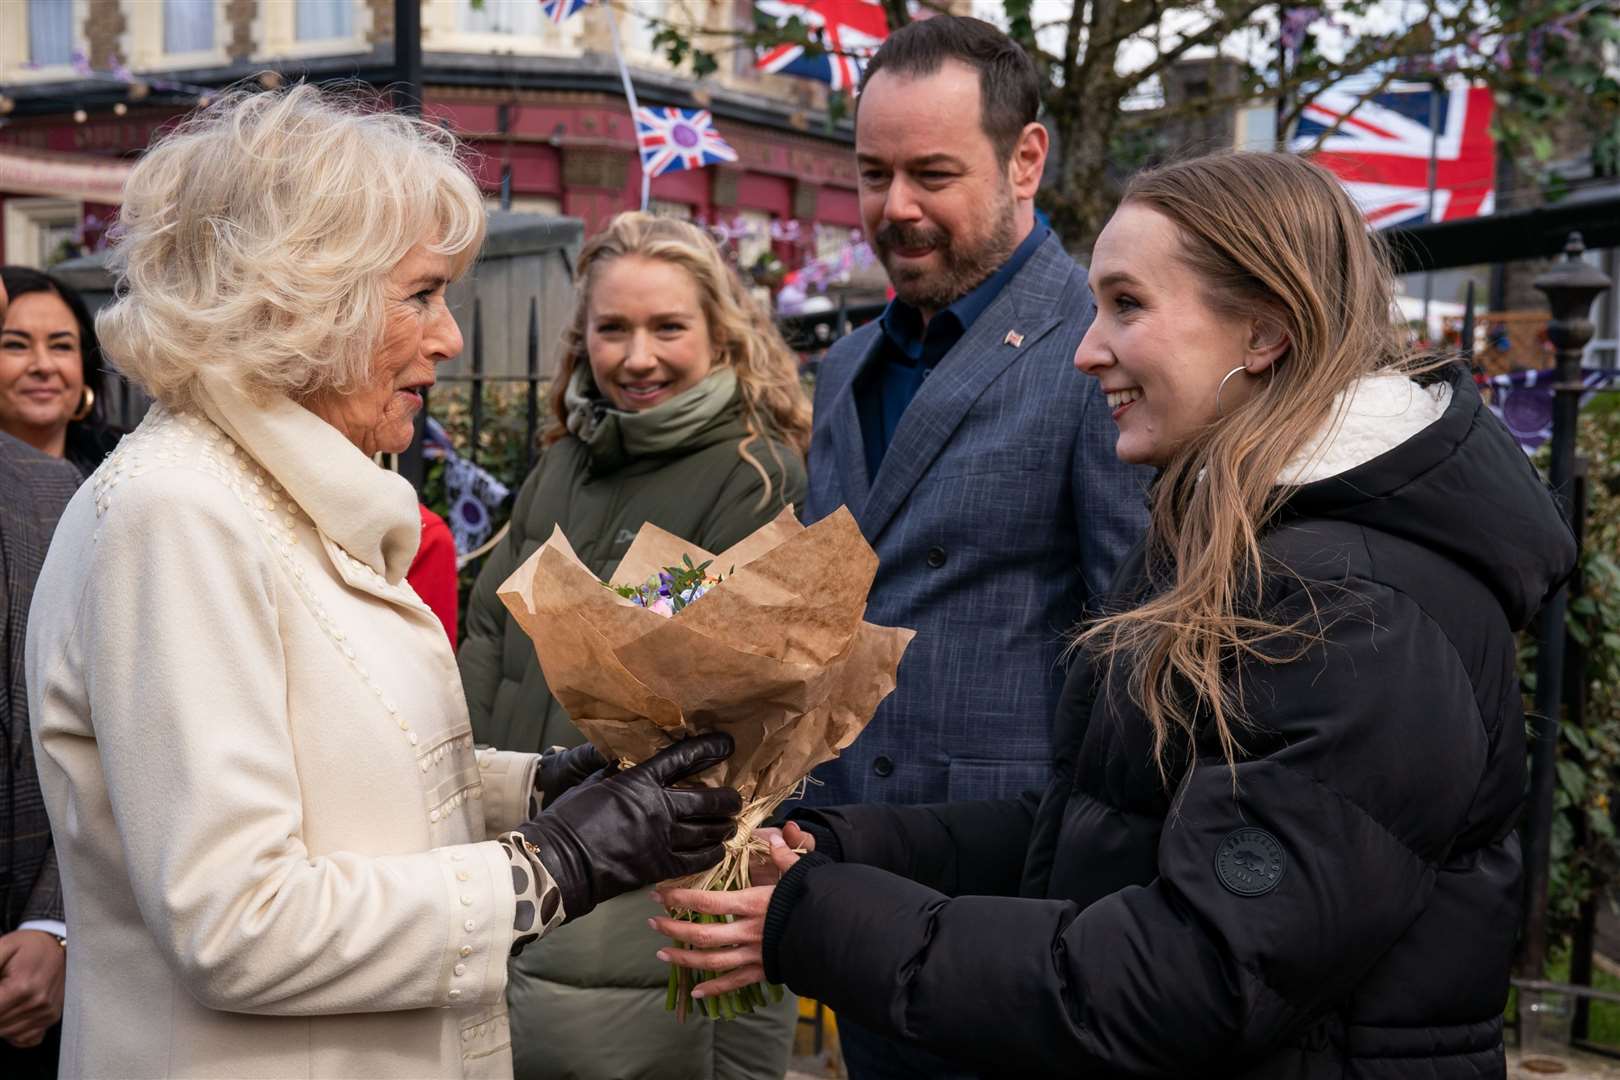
615,438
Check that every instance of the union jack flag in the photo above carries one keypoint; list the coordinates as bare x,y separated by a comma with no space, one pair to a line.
676,139
1380,151
849,31
559,10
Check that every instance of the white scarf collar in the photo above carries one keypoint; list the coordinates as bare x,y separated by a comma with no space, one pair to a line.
366,510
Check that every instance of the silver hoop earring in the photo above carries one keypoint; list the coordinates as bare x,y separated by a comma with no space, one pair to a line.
1226,379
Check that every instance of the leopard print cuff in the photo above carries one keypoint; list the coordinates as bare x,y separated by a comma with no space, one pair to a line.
539,901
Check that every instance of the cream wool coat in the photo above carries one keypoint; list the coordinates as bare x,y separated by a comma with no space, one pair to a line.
255,752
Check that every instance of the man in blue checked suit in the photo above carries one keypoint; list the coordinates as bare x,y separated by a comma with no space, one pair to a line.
979,463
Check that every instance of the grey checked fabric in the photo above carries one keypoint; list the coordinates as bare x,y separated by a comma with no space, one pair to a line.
999,513
34,489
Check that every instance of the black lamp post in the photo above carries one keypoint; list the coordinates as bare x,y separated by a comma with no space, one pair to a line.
1571,286
407,95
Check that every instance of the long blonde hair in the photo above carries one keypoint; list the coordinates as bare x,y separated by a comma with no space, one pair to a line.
775,406
1270,236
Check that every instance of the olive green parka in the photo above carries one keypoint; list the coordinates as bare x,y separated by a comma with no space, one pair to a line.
588,1001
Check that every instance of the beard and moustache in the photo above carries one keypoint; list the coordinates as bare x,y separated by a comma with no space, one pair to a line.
964,265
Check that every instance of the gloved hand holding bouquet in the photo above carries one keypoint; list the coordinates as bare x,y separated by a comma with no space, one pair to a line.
765,642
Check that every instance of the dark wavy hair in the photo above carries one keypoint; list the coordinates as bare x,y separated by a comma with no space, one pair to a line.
88,440
1009,84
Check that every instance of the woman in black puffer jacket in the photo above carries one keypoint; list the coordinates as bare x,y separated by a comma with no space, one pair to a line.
1278,838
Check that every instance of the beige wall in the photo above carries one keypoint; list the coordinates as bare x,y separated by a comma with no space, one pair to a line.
131,31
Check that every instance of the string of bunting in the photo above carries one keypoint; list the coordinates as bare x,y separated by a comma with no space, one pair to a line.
1524,400
140,86
472,491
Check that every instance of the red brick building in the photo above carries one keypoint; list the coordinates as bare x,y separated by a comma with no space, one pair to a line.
86,83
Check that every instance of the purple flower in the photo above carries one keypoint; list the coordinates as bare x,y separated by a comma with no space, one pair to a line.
1295,22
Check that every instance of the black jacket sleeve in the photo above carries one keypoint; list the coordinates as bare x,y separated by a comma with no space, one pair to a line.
1366,753
954,848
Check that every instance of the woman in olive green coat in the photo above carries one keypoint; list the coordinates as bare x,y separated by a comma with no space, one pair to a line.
676,403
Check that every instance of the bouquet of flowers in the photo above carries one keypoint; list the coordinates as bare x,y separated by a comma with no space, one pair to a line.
775,651
671,589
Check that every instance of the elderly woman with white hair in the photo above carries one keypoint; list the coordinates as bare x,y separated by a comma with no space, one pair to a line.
281,853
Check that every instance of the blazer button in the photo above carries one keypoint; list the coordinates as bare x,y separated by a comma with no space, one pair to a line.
936,557
882,765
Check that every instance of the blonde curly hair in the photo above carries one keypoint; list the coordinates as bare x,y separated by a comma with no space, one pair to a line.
256,239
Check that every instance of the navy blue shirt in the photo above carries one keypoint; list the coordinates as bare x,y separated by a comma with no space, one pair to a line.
908,351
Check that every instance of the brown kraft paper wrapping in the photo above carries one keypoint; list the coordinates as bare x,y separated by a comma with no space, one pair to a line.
778,654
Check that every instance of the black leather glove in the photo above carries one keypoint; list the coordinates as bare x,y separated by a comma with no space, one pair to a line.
628,829
560,770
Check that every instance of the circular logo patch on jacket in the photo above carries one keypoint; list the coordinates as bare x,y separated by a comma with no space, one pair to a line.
1250,862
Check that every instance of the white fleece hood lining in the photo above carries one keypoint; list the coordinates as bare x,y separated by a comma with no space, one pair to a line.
1372,417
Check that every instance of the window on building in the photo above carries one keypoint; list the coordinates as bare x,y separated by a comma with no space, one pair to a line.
188,26
41,232
667,208
499,17
50,32
323,20
1257,127
756,241
527,204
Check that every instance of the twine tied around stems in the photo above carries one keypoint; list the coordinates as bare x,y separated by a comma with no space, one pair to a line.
732,871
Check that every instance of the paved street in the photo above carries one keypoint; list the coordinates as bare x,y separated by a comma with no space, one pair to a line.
1572,1066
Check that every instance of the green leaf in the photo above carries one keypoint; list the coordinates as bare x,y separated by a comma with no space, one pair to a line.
1577,737
1572,779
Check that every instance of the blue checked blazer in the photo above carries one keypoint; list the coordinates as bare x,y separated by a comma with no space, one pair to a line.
998,513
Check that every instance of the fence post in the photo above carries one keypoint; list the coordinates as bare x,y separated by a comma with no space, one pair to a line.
475,410
533,386
1584,939
1571,286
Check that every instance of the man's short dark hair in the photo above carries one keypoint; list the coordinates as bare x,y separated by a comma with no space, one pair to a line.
1009,85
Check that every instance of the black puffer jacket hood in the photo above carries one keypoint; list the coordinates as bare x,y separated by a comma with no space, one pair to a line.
1341,904
1464,489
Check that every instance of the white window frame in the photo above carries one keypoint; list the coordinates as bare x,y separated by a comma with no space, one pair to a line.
527,204
26,218
440,34
14,57
672,208
750,248
142,40
275,33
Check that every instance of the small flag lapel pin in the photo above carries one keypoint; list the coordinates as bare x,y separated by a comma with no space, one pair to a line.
1013,338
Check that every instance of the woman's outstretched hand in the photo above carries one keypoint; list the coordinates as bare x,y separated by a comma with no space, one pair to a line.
734,947
762,868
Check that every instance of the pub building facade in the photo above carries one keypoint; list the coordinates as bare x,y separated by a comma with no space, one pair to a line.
85,84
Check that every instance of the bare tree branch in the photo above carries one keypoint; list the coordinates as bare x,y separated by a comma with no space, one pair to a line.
1212,34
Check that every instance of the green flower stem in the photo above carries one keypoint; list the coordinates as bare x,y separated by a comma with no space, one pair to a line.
729,1005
